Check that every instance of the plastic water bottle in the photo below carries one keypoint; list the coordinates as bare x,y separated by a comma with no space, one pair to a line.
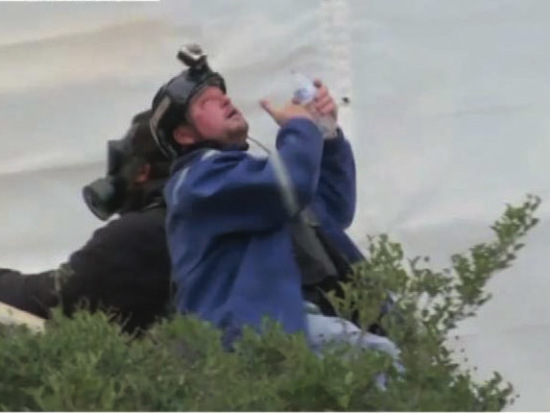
304,92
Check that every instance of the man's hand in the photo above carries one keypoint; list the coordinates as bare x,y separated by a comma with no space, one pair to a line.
289,111
323,104
323,110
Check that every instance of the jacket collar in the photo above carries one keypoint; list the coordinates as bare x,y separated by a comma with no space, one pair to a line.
193,151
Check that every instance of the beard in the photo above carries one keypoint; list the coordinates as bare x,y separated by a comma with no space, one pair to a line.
238,133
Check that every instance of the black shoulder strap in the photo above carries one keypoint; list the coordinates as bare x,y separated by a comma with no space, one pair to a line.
312,259
317,256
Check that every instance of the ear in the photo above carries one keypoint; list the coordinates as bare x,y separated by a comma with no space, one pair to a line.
184,135
143,174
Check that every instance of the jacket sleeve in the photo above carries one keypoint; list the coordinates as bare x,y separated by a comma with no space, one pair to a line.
33,293
235,191
336,193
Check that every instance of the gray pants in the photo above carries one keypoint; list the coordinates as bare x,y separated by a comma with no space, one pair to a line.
324,330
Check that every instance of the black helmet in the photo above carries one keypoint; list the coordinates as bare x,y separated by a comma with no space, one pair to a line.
171,102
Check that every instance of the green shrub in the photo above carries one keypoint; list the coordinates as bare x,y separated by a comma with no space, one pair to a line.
86,363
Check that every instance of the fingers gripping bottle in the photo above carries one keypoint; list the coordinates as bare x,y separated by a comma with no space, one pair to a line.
304,92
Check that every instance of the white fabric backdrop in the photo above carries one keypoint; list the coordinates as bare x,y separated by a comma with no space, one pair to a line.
448,118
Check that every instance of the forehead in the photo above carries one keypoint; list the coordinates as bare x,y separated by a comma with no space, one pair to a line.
208,92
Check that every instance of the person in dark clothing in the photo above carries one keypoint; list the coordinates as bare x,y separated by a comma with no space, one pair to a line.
125,267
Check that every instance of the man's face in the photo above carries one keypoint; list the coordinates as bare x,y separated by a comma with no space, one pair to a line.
215,118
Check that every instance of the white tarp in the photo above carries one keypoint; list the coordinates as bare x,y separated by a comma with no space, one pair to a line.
448,115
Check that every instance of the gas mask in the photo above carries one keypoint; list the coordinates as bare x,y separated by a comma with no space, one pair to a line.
106,196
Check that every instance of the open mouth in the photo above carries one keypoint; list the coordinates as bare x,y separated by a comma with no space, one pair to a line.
232,112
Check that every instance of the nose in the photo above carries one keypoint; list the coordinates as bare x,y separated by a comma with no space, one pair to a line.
226,100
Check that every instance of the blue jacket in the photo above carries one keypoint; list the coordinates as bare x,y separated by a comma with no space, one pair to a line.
228,225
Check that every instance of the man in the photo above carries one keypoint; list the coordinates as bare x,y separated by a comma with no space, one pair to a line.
240,228
125,267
